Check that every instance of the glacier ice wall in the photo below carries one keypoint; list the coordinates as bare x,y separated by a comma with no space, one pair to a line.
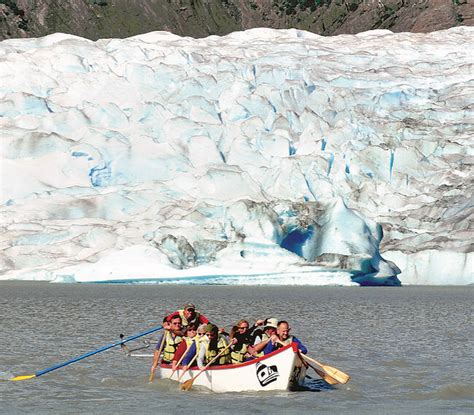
264,156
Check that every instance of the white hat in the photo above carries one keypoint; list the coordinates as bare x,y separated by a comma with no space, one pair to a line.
271,322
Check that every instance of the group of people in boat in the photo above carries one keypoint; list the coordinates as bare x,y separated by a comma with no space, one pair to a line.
190,339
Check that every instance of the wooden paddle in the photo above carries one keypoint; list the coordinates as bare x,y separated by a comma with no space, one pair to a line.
334,373
324,376
155,365
190,364
189,383
179,361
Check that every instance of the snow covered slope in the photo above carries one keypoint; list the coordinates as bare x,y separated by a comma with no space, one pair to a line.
265,156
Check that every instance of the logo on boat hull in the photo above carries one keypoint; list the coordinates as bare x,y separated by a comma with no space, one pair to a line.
266,374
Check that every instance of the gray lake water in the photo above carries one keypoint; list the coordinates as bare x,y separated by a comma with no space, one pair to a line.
408,350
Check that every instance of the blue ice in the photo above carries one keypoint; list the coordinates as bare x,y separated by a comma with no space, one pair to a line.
330,163
392,159
100,176
296,239
79,154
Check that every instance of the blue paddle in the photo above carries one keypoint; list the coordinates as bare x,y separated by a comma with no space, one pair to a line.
102,349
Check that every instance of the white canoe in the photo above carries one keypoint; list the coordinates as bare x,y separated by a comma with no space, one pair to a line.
280,370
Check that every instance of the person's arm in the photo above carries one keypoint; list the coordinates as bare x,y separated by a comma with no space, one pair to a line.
177,355
158,343
190,353
269,347
203,319
301,346
258,347
201,355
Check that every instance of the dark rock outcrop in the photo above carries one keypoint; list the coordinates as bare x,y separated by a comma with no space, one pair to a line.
96,19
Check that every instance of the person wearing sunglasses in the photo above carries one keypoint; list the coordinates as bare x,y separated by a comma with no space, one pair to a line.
191,353
241,340
168,343
189,340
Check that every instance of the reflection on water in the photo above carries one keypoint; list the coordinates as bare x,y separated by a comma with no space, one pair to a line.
408,350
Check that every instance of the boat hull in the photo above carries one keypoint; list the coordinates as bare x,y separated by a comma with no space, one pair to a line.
280,370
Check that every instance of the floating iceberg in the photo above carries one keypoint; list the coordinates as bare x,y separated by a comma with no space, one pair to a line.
261,157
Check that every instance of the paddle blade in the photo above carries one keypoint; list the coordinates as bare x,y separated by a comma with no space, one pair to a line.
187,385
341,377
23,377
325,376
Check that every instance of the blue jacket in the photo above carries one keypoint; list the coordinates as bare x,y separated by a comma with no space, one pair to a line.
189,355
270,347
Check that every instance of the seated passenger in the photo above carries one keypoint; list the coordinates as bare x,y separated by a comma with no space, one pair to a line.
211,345
191,353
269,330
241,340
189,315
168,342
282,338
185,345
256,330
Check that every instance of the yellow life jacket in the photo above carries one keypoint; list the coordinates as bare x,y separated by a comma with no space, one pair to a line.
224,359
238,356
184,320
171,344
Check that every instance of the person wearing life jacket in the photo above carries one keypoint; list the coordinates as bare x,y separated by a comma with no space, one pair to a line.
269,329
213,344
241,340
189,315
191,353
184,347
256,330
168,342
283,338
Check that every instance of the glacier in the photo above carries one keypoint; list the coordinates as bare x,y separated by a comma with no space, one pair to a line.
261,157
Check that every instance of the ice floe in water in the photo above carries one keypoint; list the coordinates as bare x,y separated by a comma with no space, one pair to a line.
261,157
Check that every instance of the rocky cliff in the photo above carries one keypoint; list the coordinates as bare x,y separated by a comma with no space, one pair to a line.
96,19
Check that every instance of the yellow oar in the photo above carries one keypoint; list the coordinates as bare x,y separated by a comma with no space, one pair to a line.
334,373
189,383
323,375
